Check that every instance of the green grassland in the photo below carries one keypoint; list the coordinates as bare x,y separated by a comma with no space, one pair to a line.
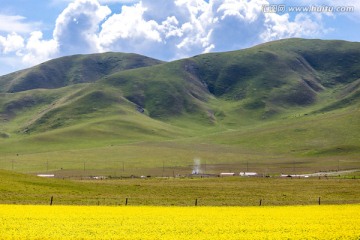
289,106
126,146
232,191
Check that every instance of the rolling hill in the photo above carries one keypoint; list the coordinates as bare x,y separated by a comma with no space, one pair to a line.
72,70
288,100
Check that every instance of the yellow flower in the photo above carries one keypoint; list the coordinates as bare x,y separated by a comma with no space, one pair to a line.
80,222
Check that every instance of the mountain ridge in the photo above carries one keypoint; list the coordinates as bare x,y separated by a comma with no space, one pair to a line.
73,69
271,77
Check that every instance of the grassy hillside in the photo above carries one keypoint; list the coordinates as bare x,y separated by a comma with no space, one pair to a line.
266,79
135,146
72,70
284,72
285,106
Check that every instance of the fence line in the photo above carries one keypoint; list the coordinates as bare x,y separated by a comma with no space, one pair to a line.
127,201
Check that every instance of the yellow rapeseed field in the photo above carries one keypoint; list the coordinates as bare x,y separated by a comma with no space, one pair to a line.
81,222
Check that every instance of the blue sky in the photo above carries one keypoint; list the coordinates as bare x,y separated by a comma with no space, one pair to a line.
32,32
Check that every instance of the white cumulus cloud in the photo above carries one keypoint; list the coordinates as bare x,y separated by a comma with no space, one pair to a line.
38,50
129,26
279,26
78,25
11,43
172,29
164,29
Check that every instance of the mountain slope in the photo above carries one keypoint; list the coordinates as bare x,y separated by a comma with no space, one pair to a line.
264,81
165,91
72,70
289,71
269,78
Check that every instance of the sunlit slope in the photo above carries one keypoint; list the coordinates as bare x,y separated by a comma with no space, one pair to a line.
72,70
298,144
69,121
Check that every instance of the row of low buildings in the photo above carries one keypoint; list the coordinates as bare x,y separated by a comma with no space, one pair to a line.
242,174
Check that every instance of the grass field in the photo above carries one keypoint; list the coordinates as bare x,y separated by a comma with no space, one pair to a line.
292,222
232,191
125,147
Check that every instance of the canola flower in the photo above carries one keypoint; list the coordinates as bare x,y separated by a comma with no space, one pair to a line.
93,222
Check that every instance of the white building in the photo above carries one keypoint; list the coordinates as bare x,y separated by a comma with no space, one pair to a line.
227,174
248,174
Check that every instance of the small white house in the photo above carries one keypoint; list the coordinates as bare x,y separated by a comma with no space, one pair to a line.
227,174
99,177
248,174
46,175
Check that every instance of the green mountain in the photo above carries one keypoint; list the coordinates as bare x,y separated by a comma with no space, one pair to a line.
286,100
71,70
